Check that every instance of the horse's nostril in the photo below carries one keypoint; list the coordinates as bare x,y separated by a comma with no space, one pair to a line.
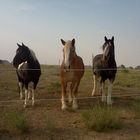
69,67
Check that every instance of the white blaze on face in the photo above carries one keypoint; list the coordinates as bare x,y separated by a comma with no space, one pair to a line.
106,51
67,53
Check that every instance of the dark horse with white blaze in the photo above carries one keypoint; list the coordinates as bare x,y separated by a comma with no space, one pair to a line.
28,71
104,67
71,72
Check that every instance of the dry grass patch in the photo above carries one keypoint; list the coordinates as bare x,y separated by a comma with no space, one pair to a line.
102,118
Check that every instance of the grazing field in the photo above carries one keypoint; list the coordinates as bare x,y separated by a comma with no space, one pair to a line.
92,121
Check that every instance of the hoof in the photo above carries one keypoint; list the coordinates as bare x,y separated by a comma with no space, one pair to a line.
103,98
75,106
33,103
25,106
93,93
64,107
109,102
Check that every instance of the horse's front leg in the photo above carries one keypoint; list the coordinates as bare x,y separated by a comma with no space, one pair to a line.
33,97
75,92
20,90
26,95
63,90
109,101
103,91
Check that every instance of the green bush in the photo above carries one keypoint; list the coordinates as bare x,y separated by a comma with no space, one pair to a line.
102,118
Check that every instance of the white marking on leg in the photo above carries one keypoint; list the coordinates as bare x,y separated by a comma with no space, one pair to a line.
33,97
95,84
103,92
70,97
29,93
26,98
109,93
21,91
74,105
64,106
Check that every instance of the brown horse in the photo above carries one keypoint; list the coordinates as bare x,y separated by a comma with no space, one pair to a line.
72,70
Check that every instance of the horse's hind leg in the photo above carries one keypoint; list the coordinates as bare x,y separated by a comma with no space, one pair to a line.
95,85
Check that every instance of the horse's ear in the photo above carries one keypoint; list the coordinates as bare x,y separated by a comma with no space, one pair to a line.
105,39
63,42
23,44
73,41
113,38
18,45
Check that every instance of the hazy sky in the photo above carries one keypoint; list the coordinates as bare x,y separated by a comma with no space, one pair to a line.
41,24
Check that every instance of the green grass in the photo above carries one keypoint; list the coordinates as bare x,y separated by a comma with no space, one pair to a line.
102,118
135,107
50,123
18,121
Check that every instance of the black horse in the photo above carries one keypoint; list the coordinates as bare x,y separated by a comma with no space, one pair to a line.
104,67
28,71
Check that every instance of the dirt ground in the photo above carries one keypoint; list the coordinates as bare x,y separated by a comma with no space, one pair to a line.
68,125
65,125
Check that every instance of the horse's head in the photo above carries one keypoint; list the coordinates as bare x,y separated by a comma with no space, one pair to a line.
108,48
22,54
68,52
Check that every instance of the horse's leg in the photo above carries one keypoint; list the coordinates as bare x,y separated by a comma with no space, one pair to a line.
63,88
33,87
95,85
103,91
20,90
33,96
75,92
29,93
70,93
109,102
26,95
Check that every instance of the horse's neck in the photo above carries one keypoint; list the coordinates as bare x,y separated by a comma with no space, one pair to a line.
33,63
111,62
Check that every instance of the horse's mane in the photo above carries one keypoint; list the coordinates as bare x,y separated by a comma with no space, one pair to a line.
33,54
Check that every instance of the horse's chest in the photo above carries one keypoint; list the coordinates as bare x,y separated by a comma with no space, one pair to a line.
70,76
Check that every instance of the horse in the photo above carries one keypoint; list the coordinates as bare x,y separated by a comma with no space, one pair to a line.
28,72
104,67
71,72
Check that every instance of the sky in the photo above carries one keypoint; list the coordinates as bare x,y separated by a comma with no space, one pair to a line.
40,24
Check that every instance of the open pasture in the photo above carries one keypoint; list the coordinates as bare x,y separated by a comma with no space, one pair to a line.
46,120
